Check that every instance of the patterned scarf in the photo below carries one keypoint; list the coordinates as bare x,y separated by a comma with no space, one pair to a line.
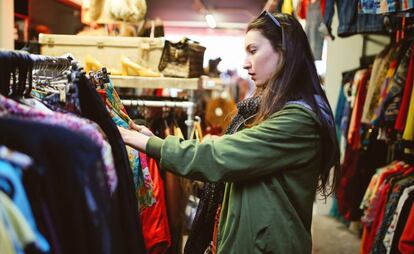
201,233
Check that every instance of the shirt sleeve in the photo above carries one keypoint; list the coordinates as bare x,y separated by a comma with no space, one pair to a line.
287,140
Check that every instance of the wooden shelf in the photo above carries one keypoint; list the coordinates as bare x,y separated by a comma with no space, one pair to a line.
211,83
203,82
161,82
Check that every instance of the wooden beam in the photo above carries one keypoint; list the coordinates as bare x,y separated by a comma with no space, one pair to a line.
7,24
71,3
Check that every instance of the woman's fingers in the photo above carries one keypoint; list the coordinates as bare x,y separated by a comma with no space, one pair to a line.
141,128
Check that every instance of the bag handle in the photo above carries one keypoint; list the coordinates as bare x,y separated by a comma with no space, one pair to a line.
152,32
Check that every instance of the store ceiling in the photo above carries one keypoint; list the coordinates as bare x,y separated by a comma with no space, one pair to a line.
228,13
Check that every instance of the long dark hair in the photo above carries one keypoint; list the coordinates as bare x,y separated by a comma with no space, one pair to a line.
297,79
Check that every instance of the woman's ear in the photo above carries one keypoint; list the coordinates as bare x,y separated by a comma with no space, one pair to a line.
280,62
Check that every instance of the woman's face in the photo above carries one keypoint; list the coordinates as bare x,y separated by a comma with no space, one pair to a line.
261,59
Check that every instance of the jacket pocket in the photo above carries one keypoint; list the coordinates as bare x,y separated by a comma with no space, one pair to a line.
261,242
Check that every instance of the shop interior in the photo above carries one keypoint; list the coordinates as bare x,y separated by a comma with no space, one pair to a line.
177,68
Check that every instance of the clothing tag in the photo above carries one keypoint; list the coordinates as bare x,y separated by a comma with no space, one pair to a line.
62,95
16,158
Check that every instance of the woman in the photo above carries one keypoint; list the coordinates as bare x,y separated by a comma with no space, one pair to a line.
280,155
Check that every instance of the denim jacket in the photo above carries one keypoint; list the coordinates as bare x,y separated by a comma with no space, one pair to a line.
385,6
350,21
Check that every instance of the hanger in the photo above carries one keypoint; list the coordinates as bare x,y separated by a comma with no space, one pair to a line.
30,79
23,77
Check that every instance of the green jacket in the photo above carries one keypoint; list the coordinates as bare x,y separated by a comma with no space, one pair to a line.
271,172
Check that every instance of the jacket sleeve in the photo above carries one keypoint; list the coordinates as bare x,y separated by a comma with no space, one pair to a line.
287,140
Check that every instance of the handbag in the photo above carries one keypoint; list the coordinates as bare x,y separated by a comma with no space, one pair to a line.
183,59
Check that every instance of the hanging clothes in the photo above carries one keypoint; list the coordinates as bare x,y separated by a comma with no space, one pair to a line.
73,207
382,204
142,177
396,192
355,121
125,221
378,74
313,22
11,179
388,109
383,91
6,246
177,193
385,6
409,126
350,20
18,228
287,7
154,219
406,244
87,128
302,8
58,186
353,137
404,108
388,238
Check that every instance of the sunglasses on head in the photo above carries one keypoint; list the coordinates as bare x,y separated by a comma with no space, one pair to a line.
266,13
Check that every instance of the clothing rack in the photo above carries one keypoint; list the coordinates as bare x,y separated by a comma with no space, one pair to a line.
102,76
19,67
40,61
189,105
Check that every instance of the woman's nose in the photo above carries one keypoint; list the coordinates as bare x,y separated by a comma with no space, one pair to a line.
247,64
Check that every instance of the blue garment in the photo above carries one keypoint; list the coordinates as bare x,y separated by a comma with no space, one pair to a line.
10,181
385,6
350,21
313,22
340,106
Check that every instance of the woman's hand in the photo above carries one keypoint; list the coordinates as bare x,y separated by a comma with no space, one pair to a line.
134,138
141,128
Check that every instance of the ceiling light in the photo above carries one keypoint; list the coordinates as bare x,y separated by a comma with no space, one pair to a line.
211,21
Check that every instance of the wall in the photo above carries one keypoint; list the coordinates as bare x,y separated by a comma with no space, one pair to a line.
6,24
58,17
343,54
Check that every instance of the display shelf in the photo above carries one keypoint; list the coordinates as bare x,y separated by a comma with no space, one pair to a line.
161,82
203,82
209,83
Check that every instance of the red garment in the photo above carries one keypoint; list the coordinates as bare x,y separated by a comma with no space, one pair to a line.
154,219
406,244
349,165
354,133
303,8
216,230
323,4
405,102
102,93
370,231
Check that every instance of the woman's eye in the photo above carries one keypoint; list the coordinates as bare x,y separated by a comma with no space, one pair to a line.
253,51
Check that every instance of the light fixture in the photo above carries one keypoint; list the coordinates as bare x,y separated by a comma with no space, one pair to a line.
211,21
